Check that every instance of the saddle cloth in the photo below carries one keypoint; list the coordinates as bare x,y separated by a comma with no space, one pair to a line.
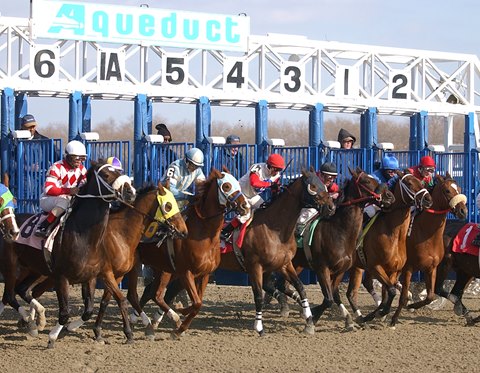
27,233
462,243
237,237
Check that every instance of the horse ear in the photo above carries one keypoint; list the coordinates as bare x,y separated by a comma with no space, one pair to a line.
440,178
160,188
312,169
6,180
352,172
93,163
225,169
167,184
448,176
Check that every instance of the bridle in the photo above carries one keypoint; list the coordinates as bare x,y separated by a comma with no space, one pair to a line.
453,202
406,192
371,195
9,215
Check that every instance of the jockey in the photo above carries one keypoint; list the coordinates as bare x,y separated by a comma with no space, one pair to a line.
260,177
327,174
424,171
64,178
182,174
387,171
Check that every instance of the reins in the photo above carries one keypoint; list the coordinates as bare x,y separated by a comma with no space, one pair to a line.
372,195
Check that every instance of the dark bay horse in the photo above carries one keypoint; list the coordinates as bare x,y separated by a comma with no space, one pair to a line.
385,244
465,266
269,244
425,248
191,260
124,231
334,239
76,255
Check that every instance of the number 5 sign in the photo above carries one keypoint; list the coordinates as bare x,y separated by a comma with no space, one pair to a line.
44,62
399,87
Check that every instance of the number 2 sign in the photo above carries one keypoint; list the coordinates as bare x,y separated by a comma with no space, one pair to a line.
399,85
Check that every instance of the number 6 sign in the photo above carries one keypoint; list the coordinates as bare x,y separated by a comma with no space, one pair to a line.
44,62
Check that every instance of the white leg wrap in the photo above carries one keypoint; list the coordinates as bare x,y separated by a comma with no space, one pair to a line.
2,307
145,319
358,313
38,307
32,313
25,315
343,310
158,317
306,309
258,326
134,317
74,325
173,315
53,335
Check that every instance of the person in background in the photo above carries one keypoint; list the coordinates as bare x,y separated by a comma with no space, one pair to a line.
29,123
183,173
255,181
424,171
346,139
63,181
233,160
166,153
163,130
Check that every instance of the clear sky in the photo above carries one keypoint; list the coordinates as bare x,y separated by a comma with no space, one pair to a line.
448,26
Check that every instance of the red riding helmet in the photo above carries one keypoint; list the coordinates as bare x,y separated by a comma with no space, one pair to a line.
427,161
276,160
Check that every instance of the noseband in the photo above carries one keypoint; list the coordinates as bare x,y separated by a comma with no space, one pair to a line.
404,190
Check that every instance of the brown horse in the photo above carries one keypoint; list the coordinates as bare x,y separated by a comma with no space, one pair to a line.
425,243
331,252
384,245
269,244
76,256
193,259
465,266
119,248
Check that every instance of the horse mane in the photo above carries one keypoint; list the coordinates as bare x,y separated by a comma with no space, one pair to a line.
202,186
144,189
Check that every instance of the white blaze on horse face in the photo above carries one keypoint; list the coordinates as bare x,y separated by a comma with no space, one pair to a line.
454,186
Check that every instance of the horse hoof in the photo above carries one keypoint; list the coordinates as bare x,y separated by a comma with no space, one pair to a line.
175,336
32,330
129,341
284,312
309,330
100,340
459,309
149,330
261,333
51,344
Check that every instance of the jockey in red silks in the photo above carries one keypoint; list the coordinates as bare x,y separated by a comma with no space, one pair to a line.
260,177
64,178
424,171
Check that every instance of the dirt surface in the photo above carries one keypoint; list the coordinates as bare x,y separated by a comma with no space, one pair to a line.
222,339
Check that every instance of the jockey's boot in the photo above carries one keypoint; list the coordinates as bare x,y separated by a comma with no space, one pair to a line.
227,231
45,228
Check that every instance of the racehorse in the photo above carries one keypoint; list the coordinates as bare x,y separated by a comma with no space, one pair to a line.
191,260
269,244
425,248
120,247
331,251
466,268
76,255
384,250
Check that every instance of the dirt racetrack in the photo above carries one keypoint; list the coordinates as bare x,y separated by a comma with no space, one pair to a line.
222,339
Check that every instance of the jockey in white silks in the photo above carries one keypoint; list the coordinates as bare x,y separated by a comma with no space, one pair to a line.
259,177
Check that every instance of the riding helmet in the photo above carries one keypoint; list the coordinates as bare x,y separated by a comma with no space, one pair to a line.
115,163
427,161
389,162
195,156
276,160
329,168
75,148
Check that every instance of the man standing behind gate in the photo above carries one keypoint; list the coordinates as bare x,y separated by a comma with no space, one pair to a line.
30,124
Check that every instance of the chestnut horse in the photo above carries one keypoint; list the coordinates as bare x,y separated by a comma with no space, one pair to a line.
76,255
425,243
124,231
465,266
334,240
193,259
384,245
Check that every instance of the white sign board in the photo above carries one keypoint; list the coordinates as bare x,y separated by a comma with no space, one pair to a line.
139,25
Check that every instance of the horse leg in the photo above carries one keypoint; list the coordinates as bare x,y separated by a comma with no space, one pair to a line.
62,288
278,289
112,285
430,278
38,290
97,330
88,294
323,276
10,279
159,298
349,325
367,283
196,299
384,308
456,294
352,292
407,277
292,277
132,297
256,279
21,289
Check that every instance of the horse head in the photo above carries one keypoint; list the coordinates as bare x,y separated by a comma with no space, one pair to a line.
450,196
368,189
168,213
315,194
230,194
111,183
8,223
412,191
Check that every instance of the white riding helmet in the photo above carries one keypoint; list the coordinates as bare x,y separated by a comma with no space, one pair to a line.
195,156
75,148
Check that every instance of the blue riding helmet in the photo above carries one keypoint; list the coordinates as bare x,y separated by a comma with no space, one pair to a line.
389,162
